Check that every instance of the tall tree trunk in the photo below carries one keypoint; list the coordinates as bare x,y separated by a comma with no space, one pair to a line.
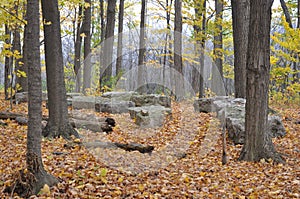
168,36
78,41
217,71
8,64
86,29
36,176
102,20
240,23
142,48
178,49
202,56
108,44
197,32
120,38
200,31
20,70
58,124
258,143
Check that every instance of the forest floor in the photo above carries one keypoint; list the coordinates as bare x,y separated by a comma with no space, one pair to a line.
185,163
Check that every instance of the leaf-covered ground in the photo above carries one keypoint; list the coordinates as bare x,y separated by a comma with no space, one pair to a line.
186,161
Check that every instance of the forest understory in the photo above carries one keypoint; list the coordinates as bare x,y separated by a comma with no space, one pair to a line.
185,162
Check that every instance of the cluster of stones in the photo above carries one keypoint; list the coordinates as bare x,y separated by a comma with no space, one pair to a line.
233,109
148,110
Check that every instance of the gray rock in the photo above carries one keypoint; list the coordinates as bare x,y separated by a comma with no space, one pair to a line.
149,116
85,102
206,105
71,95
234,111
151,99
276,127
236,130
120,96
112,106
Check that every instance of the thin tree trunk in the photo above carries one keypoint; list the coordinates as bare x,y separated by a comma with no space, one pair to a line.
58,124
217,71
120,39
258,143
298,26
78,41
286,13
197,32
8,64
166,50
240,23
289,21
202,49
102,19
142,48
20,70
105,78
86,28
178,49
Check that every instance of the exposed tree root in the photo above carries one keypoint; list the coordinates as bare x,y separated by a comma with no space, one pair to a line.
267,153
65,131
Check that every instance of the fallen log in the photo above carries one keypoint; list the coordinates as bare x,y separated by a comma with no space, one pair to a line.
135,147
13,116
9,115
89,122
127,147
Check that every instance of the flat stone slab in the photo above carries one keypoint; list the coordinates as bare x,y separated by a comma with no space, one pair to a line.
151,99
85,102
100,104
112,106
150,116
119,96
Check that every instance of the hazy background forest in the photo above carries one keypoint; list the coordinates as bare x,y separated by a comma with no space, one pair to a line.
158,45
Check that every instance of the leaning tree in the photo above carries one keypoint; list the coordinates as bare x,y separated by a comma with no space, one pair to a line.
58,124
258,143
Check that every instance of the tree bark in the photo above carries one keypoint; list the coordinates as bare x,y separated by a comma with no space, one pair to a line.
36,176
217,70
200,31
120,39
58,124
108,44
168,38
240,23
178,49
102,20
20,70
8,64
197,31
142,49
86,29
286,13
77,59
258,143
